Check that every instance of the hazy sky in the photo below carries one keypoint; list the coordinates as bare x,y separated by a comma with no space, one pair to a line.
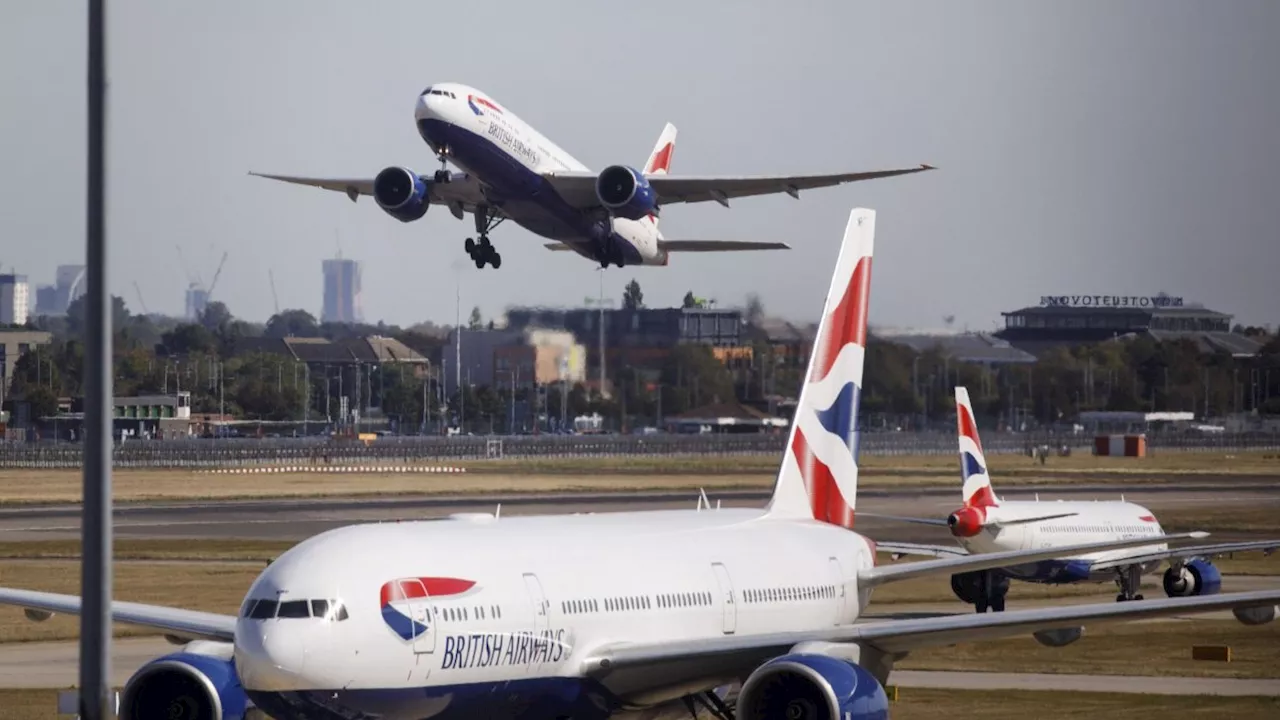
1088,147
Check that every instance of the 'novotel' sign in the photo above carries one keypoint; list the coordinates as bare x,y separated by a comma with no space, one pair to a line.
1135,301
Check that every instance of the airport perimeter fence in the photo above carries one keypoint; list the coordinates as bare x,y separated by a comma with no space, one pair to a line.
435,450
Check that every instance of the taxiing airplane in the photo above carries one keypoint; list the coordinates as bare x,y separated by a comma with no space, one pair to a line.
986,524
511,171
607,615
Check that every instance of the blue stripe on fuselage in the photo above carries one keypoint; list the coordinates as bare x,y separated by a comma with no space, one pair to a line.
1051,572
545,697
520,189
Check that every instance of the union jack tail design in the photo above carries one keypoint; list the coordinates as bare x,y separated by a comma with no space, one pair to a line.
659,162
819,473
976,490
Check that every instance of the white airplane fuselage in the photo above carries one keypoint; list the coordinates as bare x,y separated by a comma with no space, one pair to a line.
509,155
1092,522
463,616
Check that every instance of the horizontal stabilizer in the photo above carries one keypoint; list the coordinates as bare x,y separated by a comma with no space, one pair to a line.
699,246
718,245
987,561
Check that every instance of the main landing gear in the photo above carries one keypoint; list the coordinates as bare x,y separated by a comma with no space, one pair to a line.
481,250
1129,580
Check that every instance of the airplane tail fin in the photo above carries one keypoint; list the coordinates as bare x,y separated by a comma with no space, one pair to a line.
659,162
976,491
819,473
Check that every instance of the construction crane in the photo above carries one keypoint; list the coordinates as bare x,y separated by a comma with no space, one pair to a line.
274,298
209,293
141,302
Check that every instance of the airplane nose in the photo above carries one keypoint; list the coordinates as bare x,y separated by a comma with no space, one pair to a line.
423,110
269,657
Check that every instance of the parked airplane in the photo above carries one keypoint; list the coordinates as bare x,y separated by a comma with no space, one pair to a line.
986,524
629,614
511,171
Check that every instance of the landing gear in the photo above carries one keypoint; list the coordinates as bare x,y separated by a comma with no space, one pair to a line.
710,702
1129,580
481,250
985,590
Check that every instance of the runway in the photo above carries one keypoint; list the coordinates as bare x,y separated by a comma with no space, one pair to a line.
54,666
297,519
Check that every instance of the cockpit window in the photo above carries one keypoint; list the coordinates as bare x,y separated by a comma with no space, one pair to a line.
294,609
263,610
427,91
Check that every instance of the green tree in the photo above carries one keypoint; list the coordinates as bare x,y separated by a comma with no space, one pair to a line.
292,323
689,300
632,298
475,322
755,309
215,317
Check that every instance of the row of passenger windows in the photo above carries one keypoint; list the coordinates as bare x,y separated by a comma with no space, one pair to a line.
1140,529
263,609
479,612
786,594
637,602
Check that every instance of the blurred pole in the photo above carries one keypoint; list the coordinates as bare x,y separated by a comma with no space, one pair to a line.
95,565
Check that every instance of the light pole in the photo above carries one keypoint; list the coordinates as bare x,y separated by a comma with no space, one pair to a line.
602,304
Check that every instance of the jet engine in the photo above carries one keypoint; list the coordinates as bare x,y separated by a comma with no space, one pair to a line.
966,522
806,686
1255,615
1196,577
187,685
401,193
625,192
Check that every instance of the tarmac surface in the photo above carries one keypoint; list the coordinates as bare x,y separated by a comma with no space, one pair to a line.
297,519
54,664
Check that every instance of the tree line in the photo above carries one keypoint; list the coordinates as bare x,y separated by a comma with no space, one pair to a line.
902,388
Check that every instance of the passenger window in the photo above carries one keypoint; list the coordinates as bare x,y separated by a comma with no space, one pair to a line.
294,609
264,610
319,608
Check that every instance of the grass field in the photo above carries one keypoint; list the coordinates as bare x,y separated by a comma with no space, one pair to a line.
625,474
1141,648
924,704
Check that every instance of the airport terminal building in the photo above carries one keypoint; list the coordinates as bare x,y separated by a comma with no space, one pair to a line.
1072,320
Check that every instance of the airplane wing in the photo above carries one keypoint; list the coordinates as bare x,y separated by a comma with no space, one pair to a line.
939,551
630,665
881,574
700,246
176,621
579,188
461,190
1267,546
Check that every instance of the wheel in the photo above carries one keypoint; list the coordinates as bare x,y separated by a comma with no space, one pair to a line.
980,606
997,604
470,245
495,260
442,176
479,262
484,243
1137,597
1121,598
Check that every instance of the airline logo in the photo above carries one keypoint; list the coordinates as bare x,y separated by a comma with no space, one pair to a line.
827,449
475,102
400,598
661,161
973,462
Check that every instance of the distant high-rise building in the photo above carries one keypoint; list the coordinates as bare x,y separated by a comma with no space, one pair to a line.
14,299
47,300
341,291
197,298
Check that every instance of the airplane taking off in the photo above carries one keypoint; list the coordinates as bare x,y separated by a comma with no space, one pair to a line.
987,524
511,171
642,615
